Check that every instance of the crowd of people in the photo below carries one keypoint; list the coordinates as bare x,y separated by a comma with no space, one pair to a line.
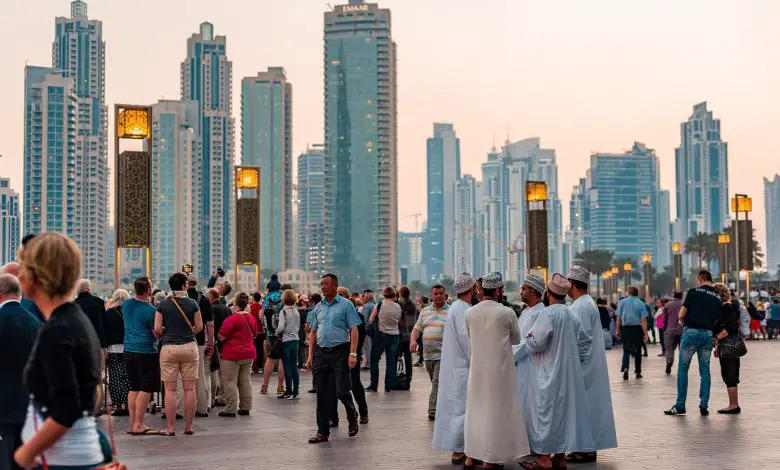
507,383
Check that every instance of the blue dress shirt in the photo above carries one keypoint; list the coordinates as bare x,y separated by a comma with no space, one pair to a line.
333,321
631,311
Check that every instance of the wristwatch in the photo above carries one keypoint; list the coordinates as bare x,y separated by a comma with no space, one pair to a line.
353,354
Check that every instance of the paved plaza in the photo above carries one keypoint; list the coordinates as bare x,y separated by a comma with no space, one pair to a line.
399,434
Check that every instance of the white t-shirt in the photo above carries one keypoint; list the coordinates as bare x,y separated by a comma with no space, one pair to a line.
79,446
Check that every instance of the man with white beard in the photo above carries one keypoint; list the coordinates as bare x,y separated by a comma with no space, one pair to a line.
593,360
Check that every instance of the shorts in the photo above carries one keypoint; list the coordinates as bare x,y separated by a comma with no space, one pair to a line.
143,371
755,324
176,358
267,345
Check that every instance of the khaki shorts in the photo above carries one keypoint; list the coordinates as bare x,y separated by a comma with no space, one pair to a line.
175,358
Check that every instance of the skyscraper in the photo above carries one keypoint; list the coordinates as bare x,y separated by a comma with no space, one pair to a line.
360,144
663,256
410,256
206,77
311,210
266,141
176,201
624,202
578,235
9,222
50,107
772,208
443,173
79,52
701,165
469,204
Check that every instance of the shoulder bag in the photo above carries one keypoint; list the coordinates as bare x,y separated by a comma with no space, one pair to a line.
732,346
189,323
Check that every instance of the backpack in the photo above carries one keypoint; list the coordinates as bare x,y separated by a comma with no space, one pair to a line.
271,315
402,381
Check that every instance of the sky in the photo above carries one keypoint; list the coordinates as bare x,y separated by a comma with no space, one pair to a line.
584,76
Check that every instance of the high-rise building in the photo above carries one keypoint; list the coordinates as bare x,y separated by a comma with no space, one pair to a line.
701,165
311,210
360,144
492,224
624,198
10,236
176,150
50,107
266,141
578,234
469,204
79,52
410,256
443,173
206,77
772,208
663,256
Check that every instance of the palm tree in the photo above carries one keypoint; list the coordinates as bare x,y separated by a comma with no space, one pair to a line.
597,262
704,246
758,254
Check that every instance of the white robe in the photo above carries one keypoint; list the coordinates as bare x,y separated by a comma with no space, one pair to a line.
522,360
495,427
449,427
556,391
595,374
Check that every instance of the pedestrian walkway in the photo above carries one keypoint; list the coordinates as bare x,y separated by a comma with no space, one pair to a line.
399,434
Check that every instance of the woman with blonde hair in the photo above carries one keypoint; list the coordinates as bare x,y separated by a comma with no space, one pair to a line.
287,331
114,328
63,371
729,347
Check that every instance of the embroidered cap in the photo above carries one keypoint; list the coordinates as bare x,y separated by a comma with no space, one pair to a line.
492,281
558,284
463,283
578,273
534,282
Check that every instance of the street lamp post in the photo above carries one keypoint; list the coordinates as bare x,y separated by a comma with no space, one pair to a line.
676,248
627,270
647,258
615,272
723,240
742,203
536,227
248,220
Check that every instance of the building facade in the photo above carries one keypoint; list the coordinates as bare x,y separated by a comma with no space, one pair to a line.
772,209
469,205
623,190
411,246
443,172
10,234
663,255
176,194
266,141
701,166
578,234
79,52
360,144
311,210
50,108
206,78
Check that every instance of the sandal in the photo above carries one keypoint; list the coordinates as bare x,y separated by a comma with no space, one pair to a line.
431,416
164,432
319,438
190,432
535,465
146,431
460,460
264,389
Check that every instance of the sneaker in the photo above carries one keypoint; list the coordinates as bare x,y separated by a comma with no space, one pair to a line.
284,396
292,397
225,414
674,411
704,411
638,376
313,390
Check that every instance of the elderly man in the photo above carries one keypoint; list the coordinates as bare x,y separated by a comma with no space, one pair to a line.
19,329
93,307
495,430
531,294
556,391
430,326
12,268
454,374
593,359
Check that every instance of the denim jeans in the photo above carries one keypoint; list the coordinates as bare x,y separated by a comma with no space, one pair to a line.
387,344
290,362
698,342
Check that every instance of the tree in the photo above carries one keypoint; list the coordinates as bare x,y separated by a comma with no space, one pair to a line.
704,246
595,261
663,282
418,288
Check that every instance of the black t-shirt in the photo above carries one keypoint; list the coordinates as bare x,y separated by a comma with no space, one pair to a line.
205,313
605,319
704,306
177,330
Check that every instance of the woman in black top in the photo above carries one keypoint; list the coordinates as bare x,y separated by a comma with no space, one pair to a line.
63,372
114,328
728,324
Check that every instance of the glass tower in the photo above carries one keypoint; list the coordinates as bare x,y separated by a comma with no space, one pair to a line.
468,206
772,208
443,173
50,107
9,222
206,78
79,52
360,144
266,141
701,165
311,210
624,197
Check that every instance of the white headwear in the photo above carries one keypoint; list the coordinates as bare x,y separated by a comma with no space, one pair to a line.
493,280
463,283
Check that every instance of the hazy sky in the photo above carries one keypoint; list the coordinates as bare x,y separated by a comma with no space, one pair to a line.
584,75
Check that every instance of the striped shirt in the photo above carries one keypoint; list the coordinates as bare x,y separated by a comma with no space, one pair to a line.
431,325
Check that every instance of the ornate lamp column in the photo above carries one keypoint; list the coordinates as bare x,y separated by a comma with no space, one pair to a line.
627,268
676,249
723,240
648,275
743,239
132,184
248,220
536,232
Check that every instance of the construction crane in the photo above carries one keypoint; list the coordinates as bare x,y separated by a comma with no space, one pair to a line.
416,221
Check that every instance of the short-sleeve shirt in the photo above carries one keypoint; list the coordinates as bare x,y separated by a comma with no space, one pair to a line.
431,324
774,312
239,331
704,306
631,311
388,318
177,331
333,321
139,327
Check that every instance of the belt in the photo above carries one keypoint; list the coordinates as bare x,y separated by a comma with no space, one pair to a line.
334,348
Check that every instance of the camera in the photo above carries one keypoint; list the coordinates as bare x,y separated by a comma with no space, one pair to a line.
221,272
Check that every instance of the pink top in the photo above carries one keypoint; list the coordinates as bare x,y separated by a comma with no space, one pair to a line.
239,331
659,322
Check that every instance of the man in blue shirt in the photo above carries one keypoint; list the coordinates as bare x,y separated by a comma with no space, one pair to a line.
631,329
333,343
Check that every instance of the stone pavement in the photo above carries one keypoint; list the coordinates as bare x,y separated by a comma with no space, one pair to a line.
399,435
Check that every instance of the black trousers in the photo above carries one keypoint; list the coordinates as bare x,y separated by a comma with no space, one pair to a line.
403,350
10,440
358,393
333,381
633,339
